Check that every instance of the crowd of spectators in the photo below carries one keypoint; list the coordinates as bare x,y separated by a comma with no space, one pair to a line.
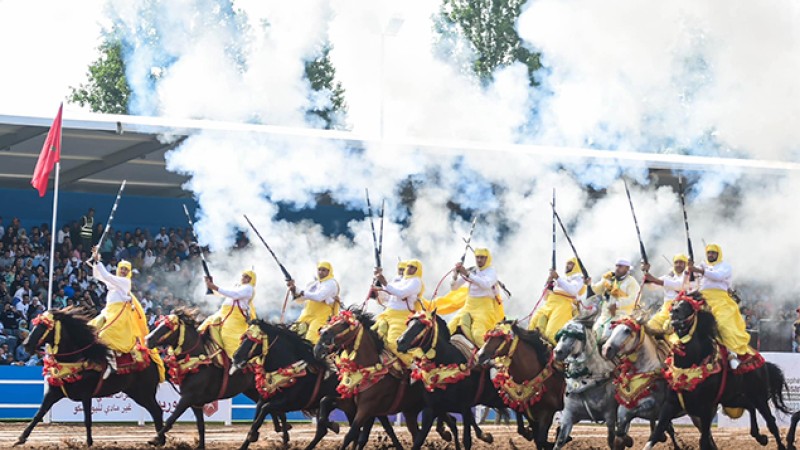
166,266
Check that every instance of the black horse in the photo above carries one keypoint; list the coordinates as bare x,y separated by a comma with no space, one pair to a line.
451,384
200,380
792,430
74,345
699,390
288,375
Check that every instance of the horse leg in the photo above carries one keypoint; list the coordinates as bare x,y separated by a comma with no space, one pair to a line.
201,426
451,423
161,437
87,420
566,428
469,421
754,431
50,398
446,435
792,430
427,423
706,441
766,413
624,417
544,429
663,424
355,428
323,422
363,435
262,408
147,400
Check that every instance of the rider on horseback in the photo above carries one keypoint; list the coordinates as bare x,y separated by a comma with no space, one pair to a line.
234,314
321,302
673,283
617,291
483,306
561,303
715,281
121,325
403,299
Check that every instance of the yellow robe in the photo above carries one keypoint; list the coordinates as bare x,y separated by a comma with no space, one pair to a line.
732,329
314,316
233,324
558,309
482,311
391,323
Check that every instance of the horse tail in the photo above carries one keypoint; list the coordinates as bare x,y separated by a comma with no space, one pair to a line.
777,387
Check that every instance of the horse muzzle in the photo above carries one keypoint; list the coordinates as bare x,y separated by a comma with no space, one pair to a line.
609,351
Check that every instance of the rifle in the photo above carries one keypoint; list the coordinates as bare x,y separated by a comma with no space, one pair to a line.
283,269
467,243
686,226
636,223
641,244
589,290
110,217
202,257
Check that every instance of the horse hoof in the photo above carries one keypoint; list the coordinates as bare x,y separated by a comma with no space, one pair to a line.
761,439
19,442
529,435
253,436
334,426
619,443
446,435
628,441
157,441
487,437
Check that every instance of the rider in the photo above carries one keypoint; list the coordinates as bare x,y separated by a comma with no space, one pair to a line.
122,324
715,281
480,311
617,291
560,305
321,302
673,283
402,300
236,311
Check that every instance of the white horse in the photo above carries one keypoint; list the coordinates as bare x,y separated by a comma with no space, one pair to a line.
640,387
590,392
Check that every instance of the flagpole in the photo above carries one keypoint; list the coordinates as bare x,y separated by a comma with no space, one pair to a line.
53,231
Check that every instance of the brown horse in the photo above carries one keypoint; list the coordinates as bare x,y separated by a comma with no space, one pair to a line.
191,366
526,377
364,374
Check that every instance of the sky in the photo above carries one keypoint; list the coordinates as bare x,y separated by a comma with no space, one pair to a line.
708,78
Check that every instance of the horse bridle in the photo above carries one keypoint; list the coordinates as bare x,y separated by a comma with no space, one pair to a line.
172,323
505,332
636,333
351,334
50,323
430,333
256,335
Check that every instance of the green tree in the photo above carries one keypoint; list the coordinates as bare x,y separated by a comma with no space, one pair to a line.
489,27
329,103
107,90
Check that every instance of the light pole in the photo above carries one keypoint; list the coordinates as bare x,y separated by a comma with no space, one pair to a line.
391,28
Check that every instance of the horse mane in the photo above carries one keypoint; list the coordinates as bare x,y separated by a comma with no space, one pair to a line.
444,331
303,347
706,325
367,321
532,337
186,315
75,320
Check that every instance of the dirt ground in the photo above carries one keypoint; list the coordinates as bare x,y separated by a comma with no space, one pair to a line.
184,436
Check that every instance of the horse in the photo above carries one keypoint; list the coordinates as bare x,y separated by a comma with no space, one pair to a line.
451,384
792,430
526,379
289,376
366,384
698,373
641,389
590,391
192,366
74,365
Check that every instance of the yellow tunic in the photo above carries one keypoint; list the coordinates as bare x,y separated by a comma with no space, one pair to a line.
314,316
732,329
392,324
233,324
482,312
557,310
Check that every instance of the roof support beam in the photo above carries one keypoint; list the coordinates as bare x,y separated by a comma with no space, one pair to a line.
20,136
69,177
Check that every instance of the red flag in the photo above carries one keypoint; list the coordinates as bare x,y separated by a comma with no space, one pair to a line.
50,155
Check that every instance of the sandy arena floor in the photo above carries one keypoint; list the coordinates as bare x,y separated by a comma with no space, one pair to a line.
184,436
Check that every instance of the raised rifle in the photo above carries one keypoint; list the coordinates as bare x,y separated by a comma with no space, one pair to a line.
202,257
686,226
110,217
589,290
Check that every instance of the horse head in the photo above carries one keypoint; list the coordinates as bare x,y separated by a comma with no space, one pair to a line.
41,333
627,336
571,340
497,342
254,344
165,332
690,315
421,332
340,333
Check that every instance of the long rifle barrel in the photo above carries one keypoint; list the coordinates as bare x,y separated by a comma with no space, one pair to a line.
636,222
111,216
589,290
553,262
202,257
685,219
375,247
283,269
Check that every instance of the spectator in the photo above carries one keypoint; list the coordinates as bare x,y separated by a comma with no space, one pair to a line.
87,229
25,289
20,354
37,359
62,234
10,318
162,237
5,358
23,306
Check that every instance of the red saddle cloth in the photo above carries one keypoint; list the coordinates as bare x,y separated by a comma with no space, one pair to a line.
135,361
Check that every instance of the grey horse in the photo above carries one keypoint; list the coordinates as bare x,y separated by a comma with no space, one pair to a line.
590,391
642,357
